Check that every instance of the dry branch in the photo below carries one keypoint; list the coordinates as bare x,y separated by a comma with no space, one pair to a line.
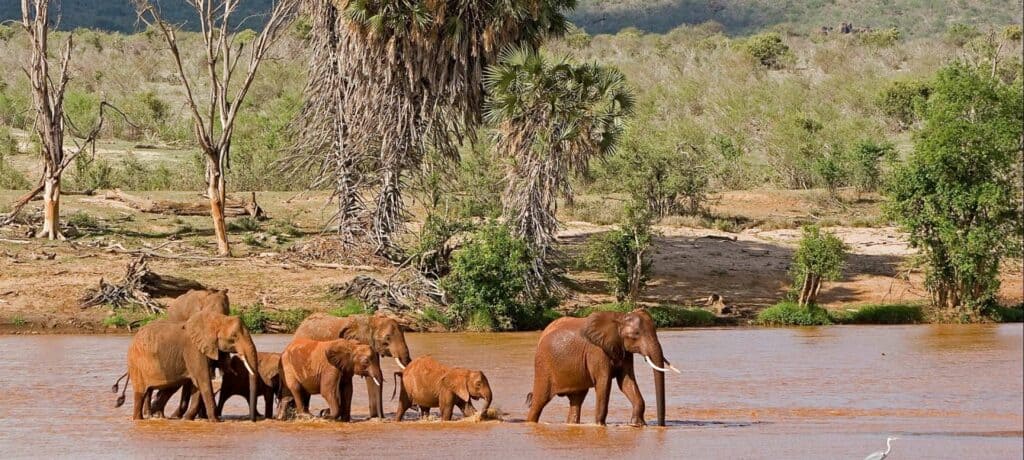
232,208
137,288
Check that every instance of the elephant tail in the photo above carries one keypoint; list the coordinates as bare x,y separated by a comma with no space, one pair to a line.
113,389
398,375
529,398
120,399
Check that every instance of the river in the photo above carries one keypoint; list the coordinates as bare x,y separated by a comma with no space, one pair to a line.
948,391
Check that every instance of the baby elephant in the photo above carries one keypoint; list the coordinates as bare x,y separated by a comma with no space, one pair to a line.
427,383
326,368
236,381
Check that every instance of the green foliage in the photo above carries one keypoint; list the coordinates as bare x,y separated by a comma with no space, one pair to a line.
864,163
959,193
91,173
820,253
10,178
960,34
6,32
435,315
254,317
883,38
901,99
1003,314
1012,33
768,49
290,319
622,254
349,306
674,316
791,314
118,320
83,109
880,314
83,220
488,274
830,169
244,224
18,321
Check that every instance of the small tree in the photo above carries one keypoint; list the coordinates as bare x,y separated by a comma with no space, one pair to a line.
214,119
864,164
900,100
959,193
768,49
659,174
624,254
819,257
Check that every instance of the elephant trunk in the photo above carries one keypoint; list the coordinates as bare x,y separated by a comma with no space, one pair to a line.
246,350
378,394
487,404
401,354
657,360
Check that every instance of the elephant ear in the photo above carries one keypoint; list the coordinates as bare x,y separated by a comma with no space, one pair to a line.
202,331
358,328
270,367
339,355
602,329
458,383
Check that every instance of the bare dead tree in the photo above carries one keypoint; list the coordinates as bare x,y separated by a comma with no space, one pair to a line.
214,118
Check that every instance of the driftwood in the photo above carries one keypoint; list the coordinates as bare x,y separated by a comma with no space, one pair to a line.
138,288
232,208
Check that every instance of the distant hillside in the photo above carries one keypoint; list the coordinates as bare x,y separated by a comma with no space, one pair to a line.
739,17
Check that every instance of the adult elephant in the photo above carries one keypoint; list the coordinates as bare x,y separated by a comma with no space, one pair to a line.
577,354
169,354
198,300
382,334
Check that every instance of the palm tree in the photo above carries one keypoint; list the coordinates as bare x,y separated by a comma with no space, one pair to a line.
394,78
552,117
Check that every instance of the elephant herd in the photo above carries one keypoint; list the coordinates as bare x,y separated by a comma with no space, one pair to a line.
199,338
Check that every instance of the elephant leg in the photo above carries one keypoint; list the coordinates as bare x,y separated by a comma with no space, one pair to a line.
603,388
575,404
206,392
374,393
222,398
403,404
156,408
540,397
345,401
466,407
424,413
283,401
627,383
186,395
193,406
140,398
332,395
301,403
447,402
268,400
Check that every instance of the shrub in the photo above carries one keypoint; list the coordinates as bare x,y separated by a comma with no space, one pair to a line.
901,99
792,314
673,316
117,320
960,34
10,178
253,317
864,164
882,38
768,49
244,224
18,321
881,314
958,195
288,320
659,173
349,306
82,219
91,173
622,254
489,274
1003,314
819,256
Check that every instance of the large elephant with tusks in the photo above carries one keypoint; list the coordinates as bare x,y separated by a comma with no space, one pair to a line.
577,354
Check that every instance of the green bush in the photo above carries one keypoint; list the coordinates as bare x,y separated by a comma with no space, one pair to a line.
768,49
254,317
864,164
673,316
1003,314
791,314
487,283
10,178
820,256
881,314
960,34
244,224
901,100
349,306
958,193
118,320
882,38
289,319
623,254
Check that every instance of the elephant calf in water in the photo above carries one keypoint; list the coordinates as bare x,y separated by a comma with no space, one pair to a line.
236,381
311,367
427,383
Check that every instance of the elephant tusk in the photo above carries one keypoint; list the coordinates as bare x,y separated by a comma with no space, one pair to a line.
399,362
651,363
247,365
376,381
673,368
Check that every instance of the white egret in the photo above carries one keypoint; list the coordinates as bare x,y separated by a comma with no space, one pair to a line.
882,454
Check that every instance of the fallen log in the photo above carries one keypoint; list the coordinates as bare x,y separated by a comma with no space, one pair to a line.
232,208
138,288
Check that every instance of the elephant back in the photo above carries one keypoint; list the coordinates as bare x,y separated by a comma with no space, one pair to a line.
196,301
321,327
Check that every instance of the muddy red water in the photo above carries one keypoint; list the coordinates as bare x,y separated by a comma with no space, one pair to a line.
837,392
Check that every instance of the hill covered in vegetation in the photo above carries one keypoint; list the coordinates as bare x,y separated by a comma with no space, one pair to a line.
738,17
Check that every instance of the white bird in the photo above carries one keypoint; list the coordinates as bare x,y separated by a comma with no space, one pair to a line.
882,454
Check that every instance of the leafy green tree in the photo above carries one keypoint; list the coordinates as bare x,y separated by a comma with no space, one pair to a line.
819,257
552,117
768,49
624,254
959,193
659,171
864,164
900,99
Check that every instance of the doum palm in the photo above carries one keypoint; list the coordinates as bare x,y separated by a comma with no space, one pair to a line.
882,454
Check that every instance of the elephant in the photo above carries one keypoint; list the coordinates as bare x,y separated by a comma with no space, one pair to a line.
314,367
382,334
236,381
169,354
427,383
181,309
198,300
576,354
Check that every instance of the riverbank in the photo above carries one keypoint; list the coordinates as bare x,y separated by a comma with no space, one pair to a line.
743,256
